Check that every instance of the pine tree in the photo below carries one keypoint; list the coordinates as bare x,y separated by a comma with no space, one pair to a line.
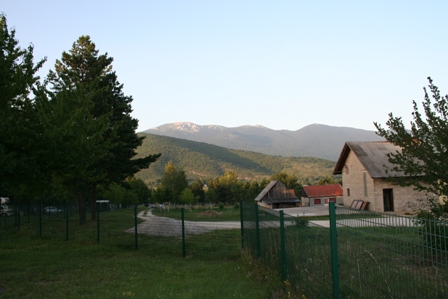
19,168
83,68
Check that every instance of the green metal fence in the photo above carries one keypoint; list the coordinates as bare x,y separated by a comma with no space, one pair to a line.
190,232
353,254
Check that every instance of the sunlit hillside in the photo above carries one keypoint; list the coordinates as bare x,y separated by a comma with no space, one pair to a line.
205,161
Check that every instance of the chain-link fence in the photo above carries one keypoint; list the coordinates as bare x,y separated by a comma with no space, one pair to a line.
354,254
184,230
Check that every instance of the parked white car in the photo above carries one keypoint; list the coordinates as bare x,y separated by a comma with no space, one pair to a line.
5,210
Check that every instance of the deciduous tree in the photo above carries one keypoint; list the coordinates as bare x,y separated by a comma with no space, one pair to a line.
174,181
423,158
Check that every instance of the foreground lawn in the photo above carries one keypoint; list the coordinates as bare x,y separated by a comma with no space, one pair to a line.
50,267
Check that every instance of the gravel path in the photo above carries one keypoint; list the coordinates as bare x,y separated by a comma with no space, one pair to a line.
163,226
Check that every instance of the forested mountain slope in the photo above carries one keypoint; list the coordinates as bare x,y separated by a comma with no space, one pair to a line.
205,161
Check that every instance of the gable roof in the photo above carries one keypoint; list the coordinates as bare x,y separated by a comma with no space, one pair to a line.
322,191
265,190
372,155
287,196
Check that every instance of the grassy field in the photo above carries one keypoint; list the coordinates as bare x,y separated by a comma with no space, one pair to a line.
52,267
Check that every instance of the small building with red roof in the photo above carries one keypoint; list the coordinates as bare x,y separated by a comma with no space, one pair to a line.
321,195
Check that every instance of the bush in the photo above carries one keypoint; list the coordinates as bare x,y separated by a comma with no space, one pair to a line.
433,231
236,205
221,206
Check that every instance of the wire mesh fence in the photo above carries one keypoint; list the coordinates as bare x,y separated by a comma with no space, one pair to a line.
359,254
389,256
185,230
365,255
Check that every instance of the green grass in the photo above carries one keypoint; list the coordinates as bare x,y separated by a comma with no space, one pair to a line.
51,267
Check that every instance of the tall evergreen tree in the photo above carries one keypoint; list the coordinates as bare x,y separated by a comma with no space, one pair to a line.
19,168
83,68
71,141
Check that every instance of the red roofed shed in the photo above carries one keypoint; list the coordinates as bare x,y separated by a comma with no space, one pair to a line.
321,195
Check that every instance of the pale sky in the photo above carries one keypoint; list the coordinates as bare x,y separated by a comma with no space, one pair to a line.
280,64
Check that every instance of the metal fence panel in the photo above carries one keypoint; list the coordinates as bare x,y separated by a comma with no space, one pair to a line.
379,255
389,256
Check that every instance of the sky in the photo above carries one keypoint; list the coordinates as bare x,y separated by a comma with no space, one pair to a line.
280,64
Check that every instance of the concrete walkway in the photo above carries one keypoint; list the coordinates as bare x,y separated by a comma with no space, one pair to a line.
163,226
306,211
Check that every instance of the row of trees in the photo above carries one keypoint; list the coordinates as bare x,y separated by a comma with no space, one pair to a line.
228,188
69,133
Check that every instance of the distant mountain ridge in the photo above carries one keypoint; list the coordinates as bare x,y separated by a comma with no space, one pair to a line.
208,161
316,140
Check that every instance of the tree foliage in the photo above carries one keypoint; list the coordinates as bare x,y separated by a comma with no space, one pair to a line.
84,73
19,165
173,182
186,196
72,132
84,68
204,161
424,148
326,180
140,189
197,187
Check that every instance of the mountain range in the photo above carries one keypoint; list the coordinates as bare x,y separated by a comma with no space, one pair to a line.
316,140
206,161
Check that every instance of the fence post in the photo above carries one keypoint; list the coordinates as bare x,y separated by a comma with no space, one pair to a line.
135,225
257,231
334,251
98,222
18,216
183,232
242,223
282,246
40,219
28,212
66,221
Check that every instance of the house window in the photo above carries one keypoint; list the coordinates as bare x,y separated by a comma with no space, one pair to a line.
317,201
326,201
333,199
364,177
346,169
348,192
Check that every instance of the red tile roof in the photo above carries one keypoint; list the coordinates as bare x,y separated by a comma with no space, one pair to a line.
323,191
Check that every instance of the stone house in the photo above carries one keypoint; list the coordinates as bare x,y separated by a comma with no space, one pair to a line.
276,196
321,195
365,168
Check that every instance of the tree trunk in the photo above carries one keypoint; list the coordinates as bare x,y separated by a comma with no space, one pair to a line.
82,209
93,202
